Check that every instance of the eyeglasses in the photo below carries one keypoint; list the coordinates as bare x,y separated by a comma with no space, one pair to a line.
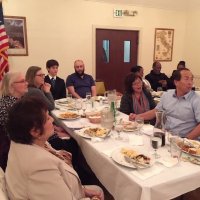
41,75
22,81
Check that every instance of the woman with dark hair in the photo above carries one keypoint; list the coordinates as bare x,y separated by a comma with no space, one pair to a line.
138,70
32,171
136,98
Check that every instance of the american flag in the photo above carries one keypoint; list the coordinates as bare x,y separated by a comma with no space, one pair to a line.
3,46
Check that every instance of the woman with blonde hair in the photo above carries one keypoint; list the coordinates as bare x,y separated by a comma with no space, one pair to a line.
13,87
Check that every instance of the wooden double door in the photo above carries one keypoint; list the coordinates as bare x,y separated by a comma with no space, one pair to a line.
116,53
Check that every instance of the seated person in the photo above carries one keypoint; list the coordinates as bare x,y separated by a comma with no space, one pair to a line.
180,65
138,70
156,78
136,98
37,86
13,87
181,107
32,171
58,89
79,83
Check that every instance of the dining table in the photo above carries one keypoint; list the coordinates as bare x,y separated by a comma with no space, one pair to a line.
165,178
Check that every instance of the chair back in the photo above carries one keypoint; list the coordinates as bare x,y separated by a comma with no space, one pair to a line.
100,88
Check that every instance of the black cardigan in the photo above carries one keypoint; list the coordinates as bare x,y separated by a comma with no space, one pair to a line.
126,105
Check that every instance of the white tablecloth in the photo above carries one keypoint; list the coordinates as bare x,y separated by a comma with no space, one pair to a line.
160,182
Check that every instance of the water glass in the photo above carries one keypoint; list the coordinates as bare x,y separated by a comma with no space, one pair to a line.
78,104
139,123
88,96
118,128
175,151
84,107
69,97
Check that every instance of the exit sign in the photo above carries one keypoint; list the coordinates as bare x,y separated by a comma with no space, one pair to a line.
118,13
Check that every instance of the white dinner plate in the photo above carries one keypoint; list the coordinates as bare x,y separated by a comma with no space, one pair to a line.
85,135
119,158
190,141
130,130
70,118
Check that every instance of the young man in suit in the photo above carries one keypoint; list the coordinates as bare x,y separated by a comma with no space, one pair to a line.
58,88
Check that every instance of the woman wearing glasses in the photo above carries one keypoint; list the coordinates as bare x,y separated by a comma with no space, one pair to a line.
136,98
13,87
37,86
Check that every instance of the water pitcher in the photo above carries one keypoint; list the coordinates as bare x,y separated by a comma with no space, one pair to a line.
159,129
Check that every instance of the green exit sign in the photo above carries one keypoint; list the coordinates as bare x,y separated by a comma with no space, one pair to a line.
118,13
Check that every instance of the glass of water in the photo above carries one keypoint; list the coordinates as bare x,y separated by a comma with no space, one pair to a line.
139,123
88,96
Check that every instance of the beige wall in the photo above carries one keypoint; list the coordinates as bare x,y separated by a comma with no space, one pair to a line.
64,30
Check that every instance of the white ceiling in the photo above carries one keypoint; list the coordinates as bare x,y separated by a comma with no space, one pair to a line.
163,4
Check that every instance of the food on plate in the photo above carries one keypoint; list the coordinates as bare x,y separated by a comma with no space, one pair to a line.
95,119
129,152
129,126
92,113
190,146
96,132
69,115
135,157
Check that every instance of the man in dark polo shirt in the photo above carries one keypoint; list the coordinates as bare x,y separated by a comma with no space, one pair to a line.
79,83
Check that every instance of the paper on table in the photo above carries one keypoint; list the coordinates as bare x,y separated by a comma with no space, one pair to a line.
79,123
168,161
107,152
148,172
136,140
147,129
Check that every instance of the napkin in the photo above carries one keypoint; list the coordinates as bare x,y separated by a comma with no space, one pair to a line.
79,123
147,129
108,152
168,161
148,172
136,140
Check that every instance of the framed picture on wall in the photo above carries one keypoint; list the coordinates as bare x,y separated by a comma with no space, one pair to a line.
163,44
16,31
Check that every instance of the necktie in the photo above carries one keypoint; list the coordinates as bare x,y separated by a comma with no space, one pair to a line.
53,82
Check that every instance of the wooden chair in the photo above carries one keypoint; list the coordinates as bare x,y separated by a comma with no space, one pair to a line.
100,88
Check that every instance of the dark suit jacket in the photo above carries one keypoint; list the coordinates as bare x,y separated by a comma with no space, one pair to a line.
59,91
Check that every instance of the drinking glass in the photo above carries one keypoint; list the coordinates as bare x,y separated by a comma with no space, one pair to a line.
118,128
156,142
175,151
170,136
69,97
78,104
88,96
139,123
84,107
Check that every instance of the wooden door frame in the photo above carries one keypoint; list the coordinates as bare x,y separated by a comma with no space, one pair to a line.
94,27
